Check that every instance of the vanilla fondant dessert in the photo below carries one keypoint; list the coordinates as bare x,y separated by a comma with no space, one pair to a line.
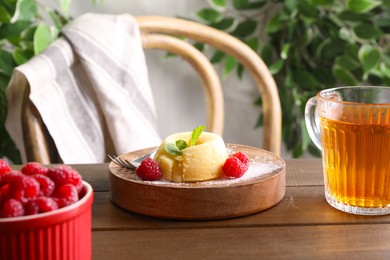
191,156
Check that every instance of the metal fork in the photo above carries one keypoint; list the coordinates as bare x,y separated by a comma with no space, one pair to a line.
132,165
122,162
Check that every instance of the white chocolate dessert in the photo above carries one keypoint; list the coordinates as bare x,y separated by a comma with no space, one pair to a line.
200,162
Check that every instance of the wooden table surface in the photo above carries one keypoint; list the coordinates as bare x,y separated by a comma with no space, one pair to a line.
301,226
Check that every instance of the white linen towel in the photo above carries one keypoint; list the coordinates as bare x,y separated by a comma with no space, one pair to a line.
95,73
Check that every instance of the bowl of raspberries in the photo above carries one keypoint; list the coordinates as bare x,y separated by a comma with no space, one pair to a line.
45,212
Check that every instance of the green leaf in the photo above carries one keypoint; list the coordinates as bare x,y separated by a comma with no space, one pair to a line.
276,67
290,5
26,10
199,46
6,63
196,134
274,25
229,65
241,4
253,43
21,56
383,22
329,49
42,38
9,30
361,6
4,15
324,76
347,62
56,19
385,69
181,144
245,29
350,16
307,9
369,57
225,24
217,57
267,54
322,2
3,107
285,51
209,15
8,147
247,4
172,149
367,31
240,70
28,33
218,4
65,4
344,76
304,79
306,140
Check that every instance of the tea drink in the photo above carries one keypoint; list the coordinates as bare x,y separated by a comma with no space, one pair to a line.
351,126
356,160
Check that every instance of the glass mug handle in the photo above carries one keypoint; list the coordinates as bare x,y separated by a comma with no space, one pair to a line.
312,123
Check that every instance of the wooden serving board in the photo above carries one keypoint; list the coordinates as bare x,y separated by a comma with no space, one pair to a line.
261,187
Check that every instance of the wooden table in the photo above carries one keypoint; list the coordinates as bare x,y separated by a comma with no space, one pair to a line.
301,226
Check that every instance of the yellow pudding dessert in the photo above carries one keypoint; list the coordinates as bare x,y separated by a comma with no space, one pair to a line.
198,160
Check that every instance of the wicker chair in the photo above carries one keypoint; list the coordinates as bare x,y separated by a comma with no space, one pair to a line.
161,33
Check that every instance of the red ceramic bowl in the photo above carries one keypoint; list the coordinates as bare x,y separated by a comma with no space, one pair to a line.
60,234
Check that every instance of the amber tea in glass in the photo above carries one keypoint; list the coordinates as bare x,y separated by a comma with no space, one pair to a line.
351,125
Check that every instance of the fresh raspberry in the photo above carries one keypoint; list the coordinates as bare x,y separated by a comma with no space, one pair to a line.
65,174
32,168
12,208
243,158
4,193
44,204
23,188
4,167
31,208
47,186
66,195
7,177
233,167
149,170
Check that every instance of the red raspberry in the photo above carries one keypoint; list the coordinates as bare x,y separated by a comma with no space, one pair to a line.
46,204
23,187
149,170
7,177
46,184
12,208
243,158
66,195
31,208
40,205
65,174
233,167
32,168
4,167
4,193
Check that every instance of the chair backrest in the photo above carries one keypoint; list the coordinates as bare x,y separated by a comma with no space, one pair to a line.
162,33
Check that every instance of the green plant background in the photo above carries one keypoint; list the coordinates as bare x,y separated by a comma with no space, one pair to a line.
308,45
27,27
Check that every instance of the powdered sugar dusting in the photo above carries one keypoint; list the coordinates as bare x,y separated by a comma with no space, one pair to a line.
260,167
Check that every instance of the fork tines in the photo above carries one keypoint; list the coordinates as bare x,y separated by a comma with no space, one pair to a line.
122,162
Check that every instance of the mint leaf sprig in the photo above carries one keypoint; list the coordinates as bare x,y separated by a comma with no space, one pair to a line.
177,147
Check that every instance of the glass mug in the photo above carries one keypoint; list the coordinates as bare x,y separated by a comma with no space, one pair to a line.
351,126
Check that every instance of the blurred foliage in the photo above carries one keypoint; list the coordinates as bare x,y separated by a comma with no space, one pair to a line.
27,27
308,45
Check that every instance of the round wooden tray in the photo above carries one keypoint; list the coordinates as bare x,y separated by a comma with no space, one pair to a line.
261,187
